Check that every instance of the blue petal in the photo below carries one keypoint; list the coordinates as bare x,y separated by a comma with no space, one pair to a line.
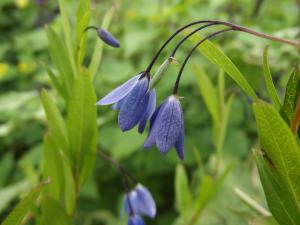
149,112
134,106
108,38
118,105
179,145
150,141
135,220
167,125
120,92
145,202
130,202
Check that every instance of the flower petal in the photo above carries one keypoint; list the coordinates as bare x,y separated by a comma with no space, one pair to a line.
168,125
120,92
179,145
131,202
134,106
145,202
150,141
149,112
135,220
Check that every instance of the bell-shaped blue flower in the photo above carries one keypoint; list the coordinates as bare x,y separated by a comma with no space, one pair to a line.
167,127
135,220
140,201
134,101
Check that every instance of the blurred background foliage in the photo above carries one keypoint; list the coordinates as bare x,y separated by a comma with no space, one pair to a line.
141,26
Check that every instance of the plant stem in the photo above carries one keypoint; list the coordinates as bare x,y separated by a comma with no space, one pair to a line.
228,24
124,174
175,89
187,36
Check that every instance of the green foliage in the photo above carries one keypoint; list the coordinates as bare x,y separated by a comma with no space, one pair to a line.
280,201
82,125
20,212
291,93
216,56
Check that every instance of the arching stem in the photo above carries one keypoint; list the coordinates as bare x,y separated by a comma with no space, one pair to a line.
175,89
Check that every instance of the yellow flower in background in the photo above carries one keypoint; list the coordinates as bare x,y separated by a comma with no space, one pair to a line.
4,67
25,67
21,4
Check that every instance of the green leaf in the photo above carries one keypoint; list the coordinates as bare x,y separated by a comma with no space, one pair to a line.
67,34
56,122
56,81
52,167
182,191
291,93
280,201
60,59
82,124
280,146
263,221
269,82
97,55
56,167
24,206
83,19
216,56
53,213
208,92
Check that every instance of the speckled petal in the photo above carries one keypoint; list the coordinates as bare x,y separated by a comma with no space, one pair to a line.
120,92
134,105
150,141
168,125
149,112
179,145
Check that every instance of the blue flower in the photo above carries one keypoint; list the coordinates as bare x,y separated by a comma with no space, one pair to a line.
134,101
167,127
108,38
141,202
135,220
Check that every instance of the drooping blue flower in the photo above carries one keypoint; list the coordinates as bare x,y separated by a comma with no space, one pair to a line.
134,101
108,38
135,220
141,202
167,127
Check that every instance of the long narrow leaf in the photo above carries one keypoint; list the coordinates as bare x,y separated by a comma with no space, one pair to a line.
279,200
81,123
269,82
218,57
280,146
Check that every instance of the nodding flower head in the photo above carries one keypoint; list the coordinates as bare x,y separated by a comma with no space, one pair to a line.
134,101
108,38
140,201
167,127
135,220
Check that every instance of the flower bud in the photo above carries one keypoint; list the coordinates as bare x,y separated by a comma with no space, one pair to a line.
108,38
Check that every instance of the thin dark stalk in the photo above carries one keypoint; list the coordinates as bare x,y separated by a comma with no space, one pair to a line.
175,90
215,22
124,174
147,71
90,27
186,37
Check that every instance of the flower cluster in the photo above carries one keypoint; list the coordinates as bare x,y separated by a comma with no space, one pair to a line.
136,104
137,202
